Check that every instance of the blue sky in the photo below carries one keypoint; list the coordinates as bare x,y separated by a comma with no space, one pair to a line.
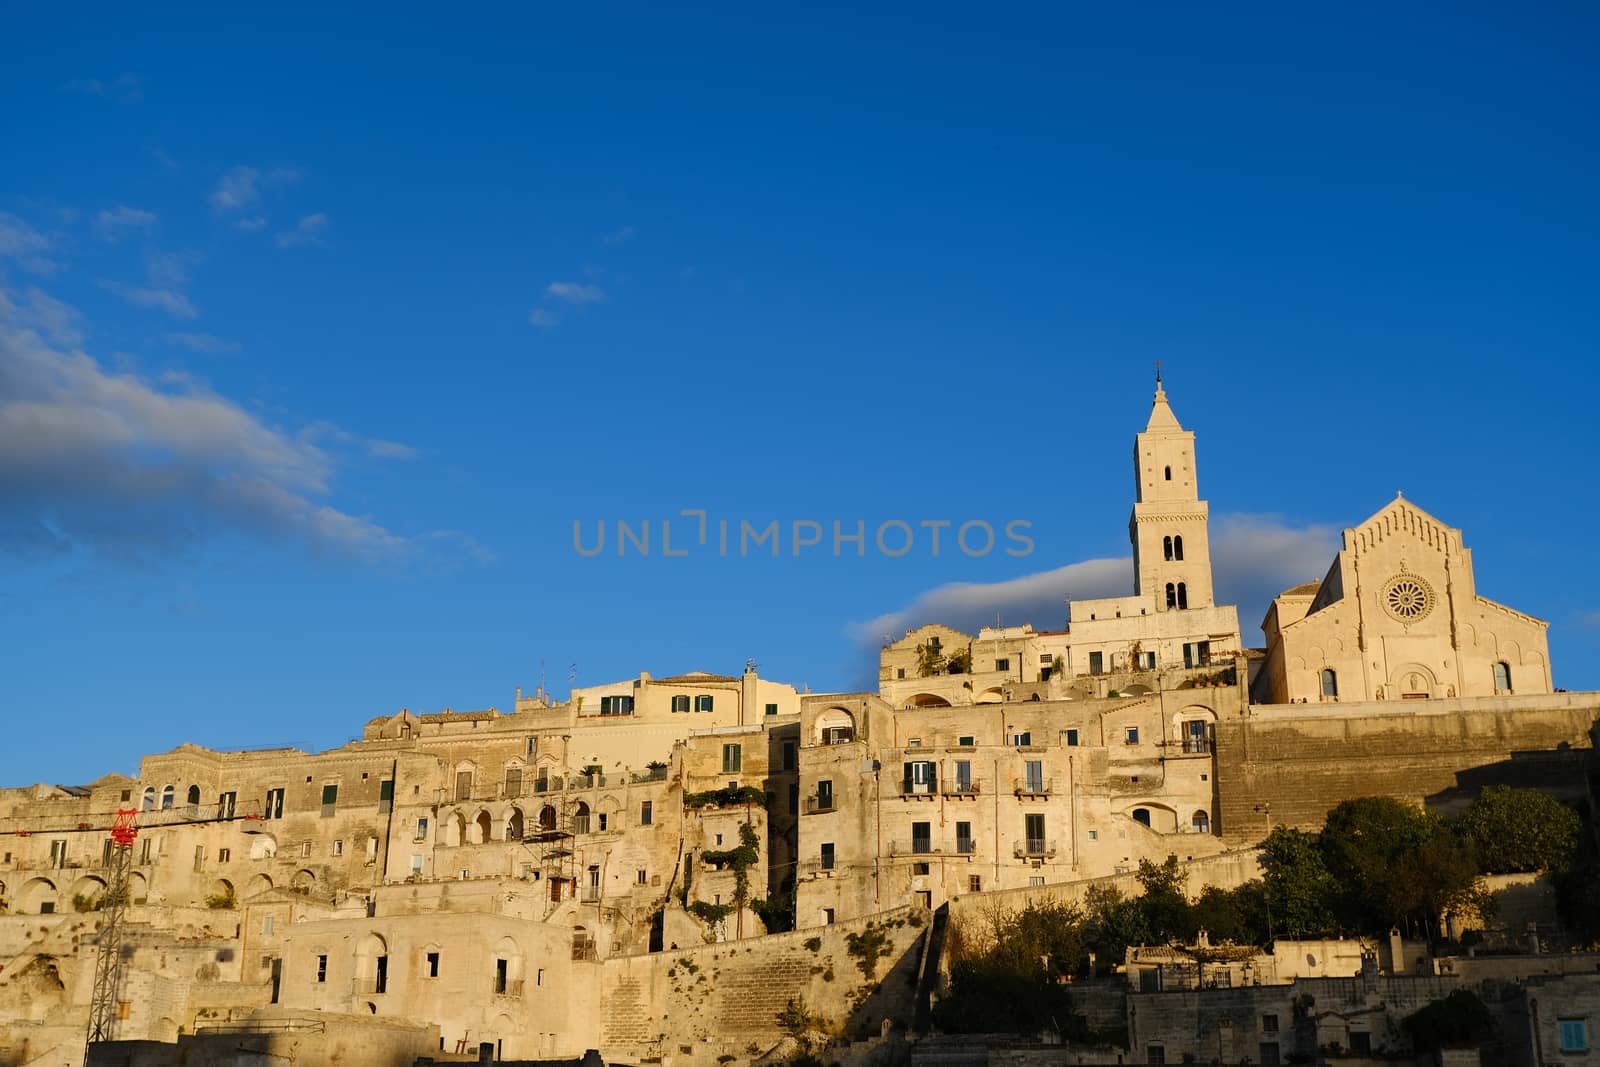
318,334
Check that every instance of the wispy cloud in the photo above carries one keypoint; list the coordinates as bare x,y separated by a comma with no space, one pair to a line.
115,223
308,231
251,224
166,275
620,235
544,318
128,88
143,296
1254,558
577,293
42,313
201,342
26,246
163,157
133,469
241,187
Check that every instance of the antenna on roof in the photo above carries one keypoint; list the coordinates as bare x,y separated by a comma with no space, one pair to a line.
1158,372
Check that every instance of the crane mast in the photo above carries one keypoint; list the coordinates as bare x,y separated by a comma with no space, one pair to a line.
109,963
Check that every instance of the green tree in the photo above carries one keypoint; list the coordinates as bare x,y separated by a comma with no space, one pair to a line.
1299,893
1396,864
1512,830
1238,915
930,660
1016,982
1460,1020
1167,914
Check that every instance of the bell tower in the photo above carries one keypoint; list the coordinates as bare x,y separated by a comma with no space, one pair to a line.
1171,547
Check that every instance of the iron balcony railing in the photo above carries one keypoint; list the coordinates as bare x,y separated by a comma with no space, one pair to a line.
815,805
963,787
1033,847
1031,786
916,846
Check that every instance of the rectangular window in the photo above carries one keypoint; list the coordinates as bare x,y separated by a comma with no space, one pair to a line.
416,863
58,854
463,785
732,759
274,805
1035,880
1131,735
647,812
385,796
1033,772
1097,663
1269,1024
644,876
974,883
266,925
918,777
305,849
1269,1054
422,830
915,742
680,703
964,842
1002,664
226,804
1574,1035
513,786
900,673
224,855
789,752
827,916
963,776
921,838
825,794
604,820
433,965
966,741
702,702
772,709
322,969
919,869
1072,738
827,855
1360,1041
338,848
616,705
1033,830
330,800
1023,740
145,849
1094,835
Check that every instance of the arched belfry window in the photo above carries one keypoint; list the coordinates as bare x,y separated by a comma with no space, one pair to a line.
1166,547
167,796
1330,683
1169,474
1502,677
194,795
1183,594
1172,595
1177,547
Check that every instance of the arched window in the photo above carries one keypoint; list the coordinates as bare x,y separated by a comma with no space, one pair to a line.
1166,547
1142,816
1183,594
1172,595
1330,683
1502,677
168,794
149,798
1177,547
1169,474
1201,822
194,796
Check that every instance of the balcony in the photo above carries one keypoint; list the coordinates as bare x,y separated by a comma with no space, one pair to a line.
1191,746
918,789
1034,848
511,988
372,986
818,805
1033,787
964,787
814,868
966,846
652,774
590,894
916,846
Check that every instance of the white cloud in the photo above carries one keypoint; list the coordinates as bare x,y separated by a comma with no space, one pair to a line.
168,300
308,231
575,293
114,224
166,274
26,245
1253,559
241,187
543,318
201,342
44,314
126,467
252,224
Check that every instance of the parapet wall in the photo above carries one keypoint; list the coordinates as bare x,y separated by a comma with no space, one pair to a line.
1288,764
722,998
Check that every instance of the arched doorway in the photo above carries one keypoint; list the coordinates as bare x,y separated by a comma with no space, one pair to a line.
514,825
547,818
481,829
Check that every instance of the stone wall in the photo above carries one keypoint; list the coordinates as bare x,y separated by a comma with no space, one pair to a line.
1288,764
720,999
